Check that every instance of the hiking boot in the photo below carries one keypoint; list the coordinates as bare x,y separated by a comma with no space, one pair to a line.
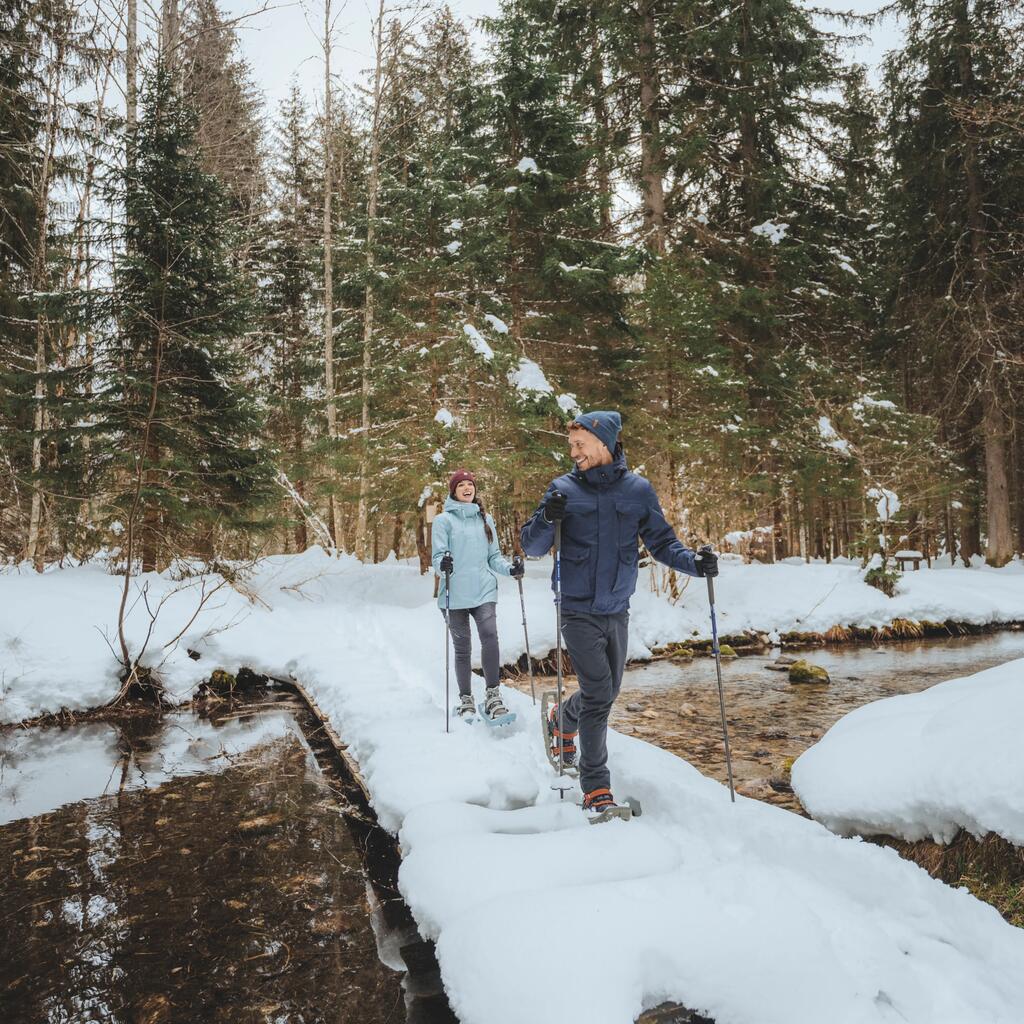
465,709
597,801
494,706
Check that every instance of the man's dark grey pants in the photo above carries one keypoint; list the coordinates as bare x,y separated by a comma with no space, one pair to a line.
597,646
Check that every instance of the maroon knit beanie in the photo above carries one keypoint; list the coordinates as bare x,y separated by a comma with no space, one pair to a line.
457,477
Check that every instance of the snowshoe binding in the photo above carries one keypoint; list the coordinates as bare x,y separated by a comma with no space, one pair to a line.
493,710
465,710
557,744
600,806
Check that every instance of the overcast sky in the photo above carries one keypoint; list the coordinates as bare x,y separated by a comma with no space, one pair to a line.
284,40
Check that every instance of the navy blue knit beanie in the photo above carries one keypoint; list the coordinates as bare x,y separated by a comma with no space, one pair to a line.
604,425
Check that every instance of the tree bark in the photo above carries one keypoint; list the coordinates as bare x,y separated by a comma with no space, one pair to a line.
652,158
332,407
372,186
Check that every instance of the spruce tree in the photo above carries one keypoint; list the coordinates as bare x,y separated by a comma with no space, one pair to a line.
186,455
955,101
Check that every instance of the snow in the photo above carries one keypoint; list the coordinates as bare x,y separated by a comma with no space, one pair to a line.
498,326
444,417
708,371
437,458
453,247
830,436
479,343
746,912
888,504
568,404
427,491
529,380
867,402
924,764
527,166
775,233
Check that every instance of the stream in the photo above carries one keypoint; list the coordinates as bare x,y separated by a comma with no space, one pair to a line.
771,720
187,869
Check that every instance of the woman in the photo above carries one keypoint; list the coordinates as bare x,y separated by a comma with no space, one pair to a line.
473,560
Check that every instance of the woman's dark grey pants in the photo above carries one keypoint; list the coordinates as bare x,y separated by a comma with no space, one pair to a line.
597,647
486,619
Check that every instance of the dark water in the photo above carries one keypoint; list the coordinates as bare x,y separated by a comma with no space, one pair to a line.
771,721
173,870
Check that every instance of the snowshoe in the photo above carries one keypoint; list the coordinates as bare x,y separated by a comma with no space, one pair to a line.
557,744
493,710
465,710
600,806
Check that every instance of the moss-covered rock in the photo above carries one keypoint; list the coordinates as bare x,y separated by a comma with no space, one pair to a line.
727,651
803,671
221,682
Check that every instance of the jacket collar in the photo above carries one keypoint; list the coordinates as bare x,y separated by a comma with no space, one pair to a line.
466,509
598,476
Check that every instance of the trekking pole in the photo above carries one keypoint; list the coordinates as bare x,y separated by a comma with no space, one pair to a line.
558,649
447,646
526,637
718,669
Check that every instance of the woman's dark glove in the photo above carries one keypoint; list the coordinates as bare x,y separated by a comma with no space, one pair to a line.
554,507
447,565
518,570
707,561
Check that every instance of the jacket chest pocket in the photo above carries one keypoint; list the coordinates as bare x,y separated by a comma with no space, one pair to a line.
628,515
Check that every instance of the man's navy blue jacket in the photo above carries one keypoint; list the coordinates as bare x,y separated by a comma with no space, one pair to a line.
608,508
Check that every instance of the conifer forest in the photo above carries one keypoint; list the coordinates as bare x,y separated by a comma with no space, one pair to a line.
231,328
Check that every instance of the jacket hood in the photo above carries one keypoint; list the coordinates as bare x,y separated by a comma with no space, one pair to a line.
466,509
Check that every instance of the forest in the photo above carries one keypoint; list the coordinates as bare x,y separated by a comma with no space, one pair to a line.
228,330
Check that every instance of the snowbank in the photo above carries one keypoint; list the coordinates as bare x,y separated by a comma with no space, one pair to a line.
746,912
924,764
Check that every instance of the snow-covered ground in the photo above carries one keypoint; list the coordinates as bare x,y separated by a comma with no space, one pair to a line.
924,765
744,911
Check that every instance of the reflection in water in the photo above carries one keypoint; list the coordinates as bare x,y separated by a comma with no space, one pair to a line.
235,896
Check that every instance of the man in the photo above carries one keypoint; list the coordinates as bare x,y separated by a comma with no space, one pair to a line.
603,508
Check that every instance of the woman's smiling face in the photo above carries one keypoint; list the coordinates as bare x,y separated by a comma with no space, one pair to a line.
465,490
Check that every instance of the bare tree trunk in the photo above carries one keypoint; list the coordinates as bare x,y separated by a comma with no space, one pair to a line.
999,549
372,186
131,63
651,155
169,32
602,120
35,548
332,406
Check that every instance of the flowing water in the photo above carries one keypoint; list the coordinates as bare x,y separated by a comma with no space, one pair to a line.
674,703
184,870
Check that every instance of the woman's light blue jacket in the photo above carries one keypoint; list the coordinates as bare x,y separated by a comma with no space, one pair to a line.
460,530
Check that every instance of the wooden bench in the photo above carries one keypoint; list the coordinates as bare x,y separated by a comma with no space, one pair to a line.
904,557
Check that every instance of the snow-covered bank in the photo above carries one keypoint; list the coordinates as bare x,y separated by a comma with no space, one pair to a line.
924,765
58,630
746,912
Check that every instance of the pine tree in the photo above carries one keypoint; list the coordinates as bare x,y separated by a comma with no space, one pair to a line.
186,460
955,103
20,119
289,265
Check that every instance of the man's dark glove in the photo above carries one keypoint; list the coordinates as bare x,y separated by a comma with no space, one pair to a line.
447,565
518,570
707,562
554,507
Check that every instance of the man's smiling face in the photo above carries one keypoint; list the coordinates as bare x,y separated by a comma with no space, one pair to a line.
586,450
